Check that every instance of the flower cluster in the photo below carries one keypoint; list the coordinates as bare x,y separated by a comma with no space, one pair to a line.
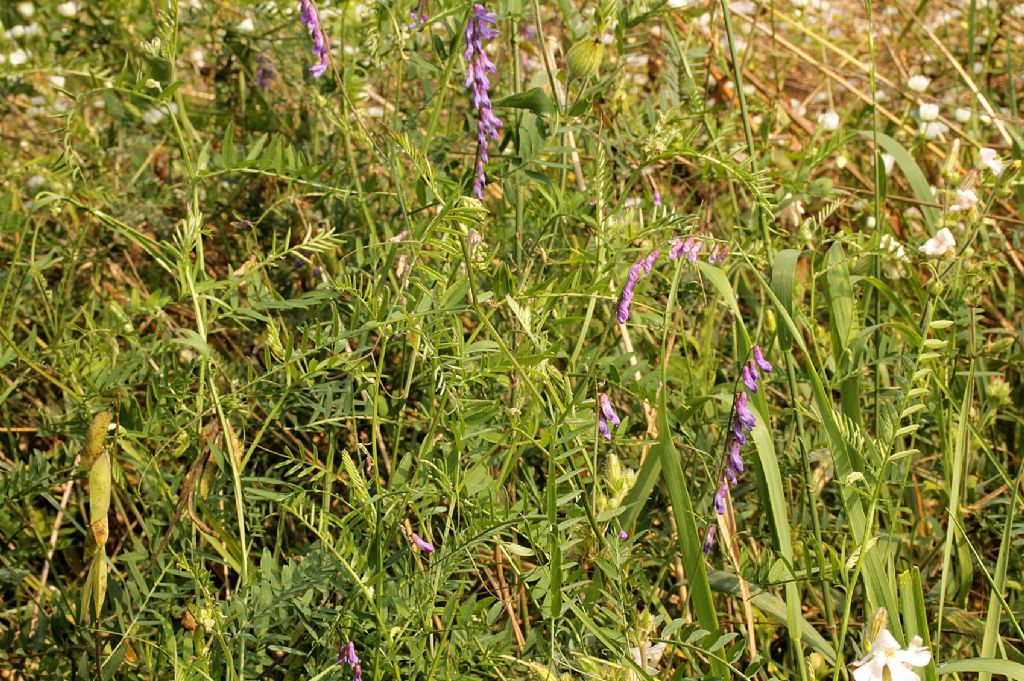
742,423
348,656
479,30
310,18
605,415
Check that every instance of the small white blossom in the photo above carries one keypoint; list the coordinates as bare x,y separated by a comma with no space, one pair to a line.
888,161
197,57
16,31
36,182
26,9
841,162
67,9
966,199
792,213
829,121
989,159
885,654
962,115
246,25
933,129
940,244
18,57
648,656
928,112
919,83
56,81
153,116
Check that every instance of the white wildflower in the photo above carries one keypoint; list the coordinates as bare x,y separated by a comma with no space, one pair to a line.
26,9
989,159
933,129
940,244
246,25
154,116
36,182
962,115
918,83
888,161
197,57
56,81
792,214
18,57
928,112
648,656
885,654
966,199
67,9
829,121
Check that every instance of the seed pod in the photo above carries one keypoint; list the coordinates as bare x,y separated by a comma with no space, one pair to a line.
94,438
584,58
99,497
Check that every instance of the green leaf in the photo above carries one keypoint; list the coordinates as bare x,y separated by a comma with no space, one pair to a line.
983,665
783,278
534,99
771,605
915,178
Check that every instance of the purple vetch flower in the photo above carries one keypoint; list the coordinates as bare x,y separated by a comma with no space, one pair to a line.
648,262
479,30
751,376
761,361
606,414
744,417
626,298
735,460
347,656
718,254
723,489
709,538
265,73
419,15
689,247
422,544
623,535
310,18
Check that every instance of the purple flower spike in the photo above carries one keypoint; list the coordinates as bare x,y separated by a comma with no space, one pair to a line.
723,489
605,415
709,538
761,361
626,298
311,20
694,250
422,544
479,30
348,656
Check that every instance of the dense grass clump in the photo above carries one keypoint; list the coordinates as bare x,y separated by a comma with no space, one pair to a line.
614,341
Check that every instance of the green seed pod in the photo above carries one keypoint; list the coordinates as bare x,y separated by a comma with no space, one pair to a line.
94,438
99,497
584,58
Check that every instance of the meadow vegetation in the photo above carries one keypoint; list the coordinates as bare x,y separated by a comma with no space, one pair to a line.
518,340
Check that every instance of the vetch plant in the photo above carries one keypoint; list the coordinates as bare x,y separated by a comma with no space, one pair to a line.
479,31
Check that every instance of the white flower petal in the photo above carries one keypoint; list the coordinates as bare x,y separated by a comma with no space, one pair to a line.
914,656
899,672
870,670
